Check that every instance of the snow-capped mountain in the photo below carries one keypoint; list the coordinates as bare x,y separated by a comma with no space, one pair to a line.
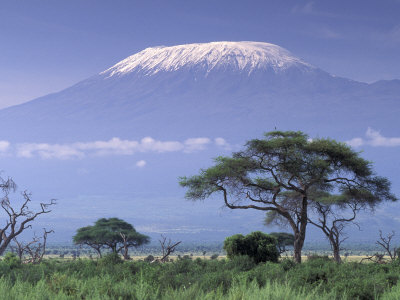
245,57
232,91
238,87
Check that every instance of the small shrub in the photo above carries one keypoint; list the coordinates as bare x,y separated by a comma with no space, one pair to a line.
12,260
241,263
214,256
311,257
259,246
149,258
287,264
111,259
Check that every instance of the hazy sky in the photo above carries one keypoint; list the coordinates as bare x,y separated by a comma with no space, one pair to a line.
47,45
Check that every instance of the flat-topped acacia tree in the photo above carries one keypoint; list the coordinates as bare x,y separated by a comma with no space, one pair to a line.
112,233
269,170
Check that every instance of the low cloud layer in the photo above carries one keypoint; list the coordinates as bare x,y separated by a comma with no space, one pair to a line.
114,146
117,146
374,138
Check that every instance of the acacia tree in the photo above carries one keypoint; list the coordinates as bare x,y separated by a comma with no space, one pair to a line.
91,237
283,239
113,233
18,217
268,171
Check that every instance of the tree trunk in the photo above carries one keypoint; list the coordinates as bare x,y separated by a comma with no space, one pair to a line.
126,253
298,245
98,251
4,246
300,236
336,253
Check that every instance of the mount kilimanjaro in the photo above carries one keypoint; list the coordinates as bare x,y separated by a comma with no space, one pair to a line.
231,89
234,91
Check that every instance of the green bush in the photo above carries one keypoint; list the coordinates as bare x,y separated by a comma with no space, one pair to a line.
11,260
259,246
241,263
214,256
111,259
149,258
288,264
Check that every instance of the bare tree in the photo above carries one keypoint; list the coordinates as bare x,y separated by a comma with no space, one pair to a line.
167,248
376,258
331,221
37,249
21,248
385,241
18,219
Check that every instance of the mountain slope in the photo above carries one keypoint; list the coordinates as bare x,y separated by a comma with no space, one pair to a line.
170,91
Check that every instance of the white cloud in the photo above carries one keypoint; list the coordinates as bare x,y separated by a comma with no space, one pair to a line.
141,163
374,138
149,144
221,142
307,8
196,144
48,151
4,146
356,142
114,146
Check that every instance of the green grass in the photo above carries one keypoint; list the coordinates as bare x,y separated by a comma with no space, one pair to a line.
61,287
234,279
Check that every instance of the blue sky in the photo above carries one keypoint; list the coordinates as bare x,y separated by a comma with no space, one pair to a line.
48,45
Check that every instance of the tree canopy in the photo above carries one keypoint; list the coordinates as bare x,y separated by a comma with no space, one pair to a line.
112,233
281,174
283,239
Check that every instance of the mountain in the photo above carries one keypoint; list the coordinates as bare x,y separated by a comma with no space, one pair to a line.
228,91
177,88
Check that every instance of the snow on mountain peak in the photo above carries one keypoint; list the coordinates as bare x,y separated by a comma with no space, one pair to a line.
242,56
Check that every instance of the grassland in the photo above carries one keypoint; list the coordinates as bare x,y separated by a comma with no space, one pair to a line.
197,278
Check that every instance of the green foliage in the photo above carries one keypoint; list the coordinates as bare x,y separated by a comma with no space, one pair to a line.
285,172
149,258
109,233
297,161
111,259
287,264
257,245
237,278
12,260
214,256
283,240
